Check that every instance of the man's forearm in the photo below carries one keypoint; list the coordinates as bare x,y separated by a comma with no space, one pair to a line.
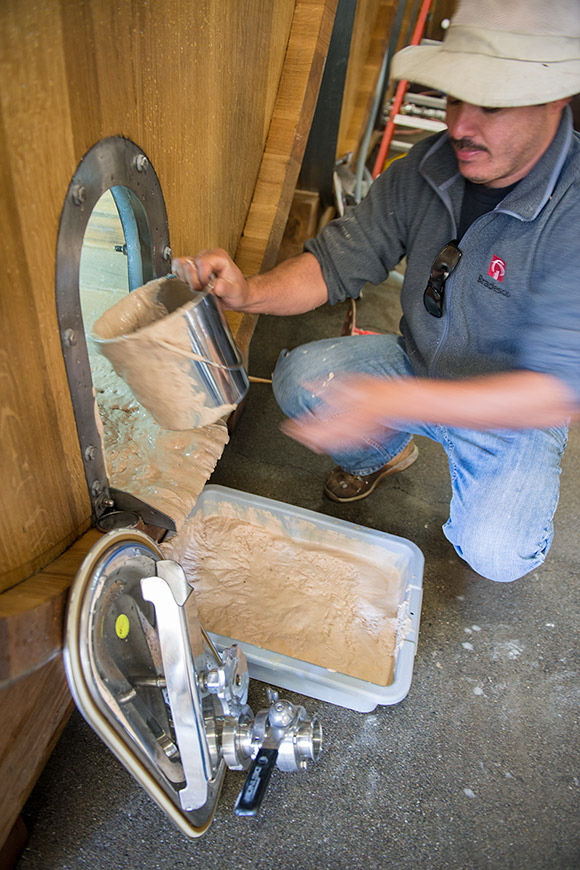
293,287
357,406
512,400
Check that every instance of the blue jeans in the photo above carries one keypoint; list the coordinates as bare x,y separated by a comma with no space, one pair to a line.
505,483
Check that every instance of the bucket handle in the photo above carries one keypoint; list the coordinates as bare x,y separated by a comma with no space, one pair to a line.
196,357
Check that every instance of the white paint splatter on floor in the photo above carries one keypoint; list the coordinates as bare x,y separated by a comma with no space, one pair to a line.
507,649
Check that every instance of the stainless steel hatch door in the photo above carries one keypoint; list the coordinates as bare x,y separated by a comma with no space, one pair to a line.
114,663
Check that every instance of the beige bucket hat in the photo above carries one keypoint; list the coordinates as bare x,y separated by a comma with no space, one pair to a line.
501,53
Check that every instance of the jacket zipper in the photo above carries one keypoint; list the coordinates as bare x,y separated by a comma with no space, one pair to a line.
443,339
449,287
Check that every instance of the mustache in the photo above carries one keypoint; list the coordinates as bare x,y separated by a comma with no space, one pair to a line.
467,145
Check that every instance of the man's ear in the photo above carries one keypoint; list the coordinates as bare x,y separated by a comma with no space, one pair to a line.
560,105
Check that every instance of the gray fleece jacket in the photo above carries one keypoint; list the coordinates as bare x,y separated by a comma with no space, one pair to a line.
513,302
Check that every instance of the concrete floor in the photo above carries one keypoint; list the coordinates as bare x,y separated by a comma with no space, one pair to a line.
478,767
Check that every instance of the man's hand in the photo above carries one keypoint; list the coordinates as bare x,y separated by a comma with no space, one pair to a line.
230,285
353,410
292,287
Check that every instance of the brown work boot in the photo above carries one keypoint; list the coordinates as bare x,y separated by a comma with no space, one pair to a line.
342,486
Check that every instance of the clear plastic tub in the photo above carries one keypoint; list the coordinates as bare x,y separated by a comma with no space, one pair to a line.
304,677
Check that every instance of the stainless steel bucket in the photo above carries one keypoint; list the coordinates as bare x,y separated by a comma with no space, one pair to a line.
173,347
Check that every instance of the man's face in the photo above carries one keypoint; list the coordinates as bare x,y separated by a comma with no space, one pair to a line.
497,147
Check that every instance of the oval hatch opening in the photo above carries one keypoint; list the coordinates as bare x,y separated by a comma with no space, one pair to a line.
103,281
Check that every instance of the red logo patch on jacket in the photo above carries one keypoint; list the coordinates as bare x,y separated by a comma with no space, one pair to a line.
496,268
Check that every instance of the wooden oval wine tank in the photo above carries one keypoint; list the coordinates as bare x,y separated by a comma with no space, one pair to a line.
218,97
208,106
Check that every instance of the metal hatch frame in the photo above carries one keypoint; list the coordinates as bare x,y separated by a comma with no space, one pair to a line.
119,165
85,696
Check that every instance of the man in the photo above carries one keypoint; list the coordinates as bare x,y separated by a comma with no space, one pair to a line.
488,217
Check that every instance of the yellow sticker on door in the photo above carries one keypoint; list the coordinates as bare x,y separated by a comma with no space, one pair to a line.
122,626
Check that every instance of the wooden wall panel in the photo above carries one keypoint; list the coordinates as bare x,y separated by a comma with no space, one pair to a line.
43,496
33,713
370,37
198,101
287,136
196,86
